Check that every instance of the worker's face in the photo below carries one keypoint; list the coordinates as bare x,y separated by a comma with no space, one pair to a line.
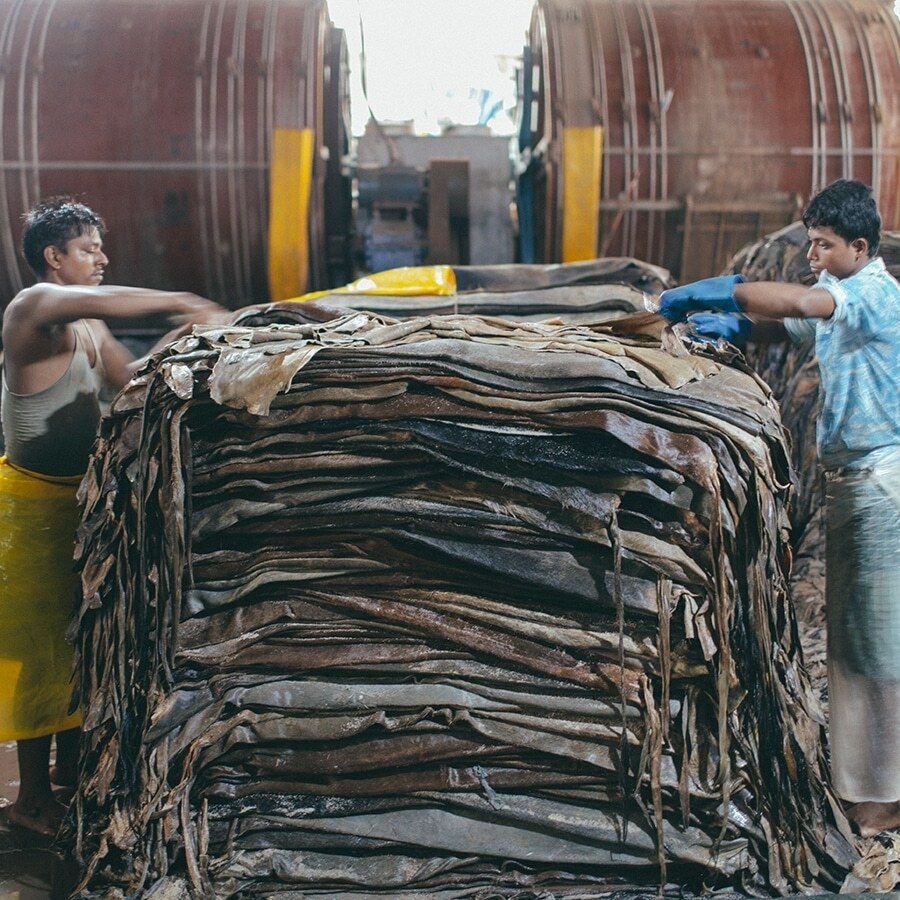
831,253
82,263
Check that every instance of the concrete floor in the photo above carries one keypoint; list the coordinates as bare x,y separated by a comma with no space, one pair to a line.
30,869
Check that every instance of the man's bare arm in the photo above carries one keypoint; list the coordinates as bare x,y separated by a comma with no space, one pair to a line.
783,300
46,304
33,320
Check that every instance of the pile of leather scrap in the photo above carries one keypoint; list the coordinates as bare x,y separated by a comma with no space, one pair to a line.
445,606
878,869
584,292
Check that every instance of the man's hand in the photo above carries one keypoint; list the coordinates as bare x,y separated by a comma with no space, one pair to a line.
710,293
732,327
192,309
185,310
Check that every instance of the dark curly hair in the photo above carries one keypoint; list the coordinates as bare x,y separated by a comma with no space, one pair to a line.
53,223
848,209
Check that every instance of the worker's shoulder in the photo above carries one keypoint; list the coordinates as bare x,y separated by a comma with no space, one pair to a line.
888,281
28,295
20,306
34,308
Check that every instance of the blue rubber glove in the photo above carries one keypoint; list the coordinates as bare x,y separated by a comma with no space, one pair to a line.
710,293
732,327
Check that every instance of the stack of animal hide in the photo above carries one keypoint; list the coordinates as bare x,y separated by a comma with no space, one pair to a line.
445,607
585,292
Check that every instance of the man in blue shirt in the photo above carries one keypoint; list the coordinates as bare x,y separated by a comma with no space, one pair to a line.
853,315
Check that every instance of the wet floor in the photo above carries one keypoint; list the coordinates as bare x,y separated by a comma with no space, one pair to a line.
30,868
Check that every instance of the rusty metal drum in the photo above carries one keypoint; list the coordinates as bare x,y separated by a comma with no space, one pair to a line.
675,130
187,124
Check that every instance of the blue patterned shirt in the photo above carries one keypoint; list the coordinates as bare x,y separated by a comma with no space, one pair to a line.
858,351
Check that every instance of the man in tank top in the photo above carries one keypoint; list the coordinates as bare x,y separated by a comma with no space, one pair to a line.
58,354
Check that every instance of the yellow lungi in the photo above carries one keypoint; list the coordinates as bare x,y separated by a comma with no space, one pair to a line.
38,517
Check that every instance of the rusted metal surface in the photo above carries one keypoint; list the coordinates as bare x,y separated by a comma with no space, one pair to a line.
447,606
160,114
723,102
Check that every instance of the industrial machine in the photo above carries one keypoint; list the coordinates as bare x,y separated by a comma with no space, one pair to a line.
214,137
677,130
433,198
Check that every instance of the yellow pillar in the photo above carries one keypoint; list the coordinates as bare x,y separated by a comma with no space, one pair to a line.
582,159
290,176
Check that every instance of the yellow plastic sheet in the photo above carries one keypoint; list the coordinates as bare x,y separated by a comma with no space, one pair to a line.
37,588
437,281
